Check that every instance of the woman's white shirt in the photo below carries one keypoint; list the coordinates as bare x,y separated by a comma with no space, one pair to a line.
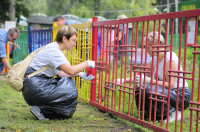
51,56
161,69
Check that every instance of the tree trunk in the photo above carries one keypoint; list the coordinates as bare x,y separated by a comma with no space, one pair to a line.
12,10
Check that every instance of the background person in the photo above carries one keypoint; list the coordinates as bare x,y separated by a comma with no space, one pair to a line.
120,35
5,36
62,21
55,98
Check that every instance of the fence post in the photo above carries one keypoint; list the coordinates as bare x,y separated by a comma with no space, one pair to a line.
8,53
5,70
94,58
54,31
30,39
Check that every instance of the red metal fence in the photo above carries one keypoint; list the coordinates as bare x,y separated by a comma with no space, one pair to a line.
121,59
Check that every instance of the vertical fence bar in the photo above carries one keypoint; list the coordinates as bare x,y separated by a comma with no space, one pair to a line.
152,69
179,65
115,63
30,39
100,72
107,41
184,65
102,62
133,104
171,47
94,58
195,43
110,79
198,112
131,71
5,70
166,38
142,48
193,77
114,76
54,31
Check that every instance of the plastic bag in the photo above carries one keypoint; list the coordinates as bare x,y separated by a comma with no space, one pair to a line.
52,95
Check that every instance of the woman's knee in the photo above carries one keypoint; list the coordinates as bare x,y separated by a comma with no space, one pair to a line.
187,98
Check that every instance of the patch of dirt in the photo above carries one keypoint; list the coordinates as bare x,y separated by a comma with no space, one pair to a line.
99,121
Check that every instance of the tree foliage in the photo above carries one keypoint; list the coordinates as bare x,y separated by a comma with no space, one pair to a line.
21,9
109,9
4,6
164,2
58,7
33,6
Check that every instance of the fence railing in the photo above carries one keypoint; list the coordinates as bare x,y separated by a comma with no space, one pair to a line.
38,38
20,47
124,60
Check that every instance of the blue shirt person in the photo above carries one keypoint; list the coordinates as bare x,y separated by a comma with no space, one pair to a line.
71,22
5,36
62,21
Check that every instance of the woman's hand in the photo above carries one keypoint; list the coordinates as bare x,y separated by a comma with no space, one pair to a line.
118,81
137,79
85,77
91,64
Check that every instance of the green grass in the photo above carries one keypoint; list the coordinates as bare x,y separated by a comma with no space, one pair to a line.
16,117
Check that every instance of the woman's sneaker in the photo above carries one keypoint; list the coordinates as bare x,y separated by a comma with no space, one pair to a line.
172,116
36,111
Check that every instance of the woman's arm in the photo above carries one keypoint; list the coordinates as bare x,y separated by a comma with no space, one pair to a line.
63,74
147,74
6,63
73,70
149,65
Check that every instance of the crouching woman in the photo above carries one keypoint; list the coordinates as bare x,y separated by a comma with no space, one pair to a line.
55,98
177,86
